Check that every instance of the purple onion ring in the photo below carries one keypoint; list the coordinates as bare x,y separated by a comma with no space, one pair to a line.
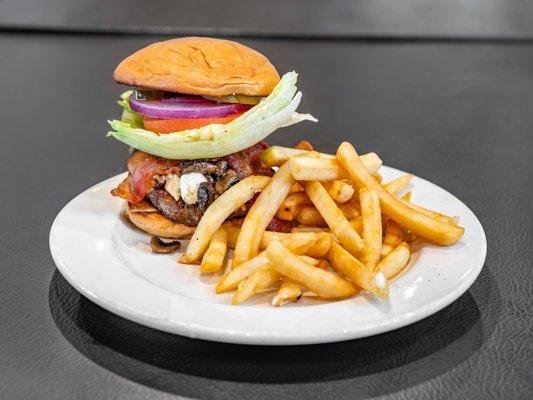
185,107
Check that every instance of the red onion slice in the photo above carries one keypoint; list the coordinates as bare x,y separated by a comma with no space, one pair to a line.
185,100
185,107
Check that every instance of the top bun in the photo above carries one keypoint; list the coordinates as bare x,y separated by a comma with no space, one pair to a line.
200,66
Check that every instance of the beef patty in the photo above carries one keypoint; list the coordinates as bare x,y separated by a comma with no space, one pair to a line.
221,174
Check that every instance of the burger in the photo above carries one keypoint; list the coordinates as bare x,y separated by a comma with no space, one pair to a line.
195,119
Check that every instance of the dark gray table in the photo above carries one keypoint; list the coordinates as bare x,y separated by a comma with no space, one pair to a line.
355,19
459,115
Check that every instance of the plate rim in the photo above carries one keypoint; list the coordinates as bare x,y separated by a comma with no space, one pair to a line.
268,337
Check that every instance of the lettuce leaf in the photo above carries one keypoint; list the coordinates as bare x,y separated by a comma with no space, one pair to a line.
275,111
128,115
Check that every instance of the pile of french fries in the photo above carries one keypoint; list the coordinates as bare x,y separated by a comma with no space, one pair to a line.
350,231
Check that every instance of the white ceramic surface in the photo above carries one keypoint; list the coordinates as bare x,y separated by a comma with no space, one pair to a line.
110,263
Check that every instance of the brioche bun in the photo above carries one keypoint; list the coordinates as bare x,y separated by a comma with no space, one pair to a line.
199,66
155,223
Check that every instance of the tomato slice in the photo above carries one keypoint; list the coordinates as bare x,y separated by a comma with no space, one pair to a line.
158,125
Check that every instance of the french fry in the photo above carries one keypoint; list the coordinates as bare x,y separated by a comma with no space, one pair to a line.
255,283
295,188
292,205
350,209
321,247
305,228
427,227
406,199
219,211
315,169
396,261
213,258
411,238
365,277
377,176
309,260
430,213
323,238
320,169
385,249
276,156
289,291
397,185
312,244
236,275
260,214
324,284
357,224
323,264
304,145
288,213
393,237
372,229
310,216
334,217
232,234
339,191
268,236
372,162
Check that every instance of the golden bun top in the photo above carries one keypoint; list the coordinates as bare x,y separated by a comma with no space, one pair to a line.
200,66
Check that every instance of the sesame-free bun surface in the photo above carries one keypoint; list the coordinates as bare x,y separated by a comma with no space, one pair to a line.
199,66
157,224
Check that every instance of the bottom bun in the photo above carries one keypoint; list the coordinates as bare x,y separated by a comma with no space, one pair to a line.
157,224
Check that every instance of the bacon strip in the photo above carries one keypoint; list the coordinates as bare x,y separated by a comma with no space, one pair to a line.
143,168
123,190
278,225
253,154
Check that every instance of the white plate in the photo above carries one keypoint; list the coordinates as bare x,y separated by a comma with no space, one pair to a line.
110,263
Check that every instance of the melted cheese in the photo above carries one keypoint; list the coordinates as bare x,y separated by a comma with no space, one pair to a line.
189,186
172,186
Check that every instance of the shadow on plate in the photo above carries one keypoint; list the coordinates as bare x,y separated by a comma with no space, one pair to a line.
173,363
